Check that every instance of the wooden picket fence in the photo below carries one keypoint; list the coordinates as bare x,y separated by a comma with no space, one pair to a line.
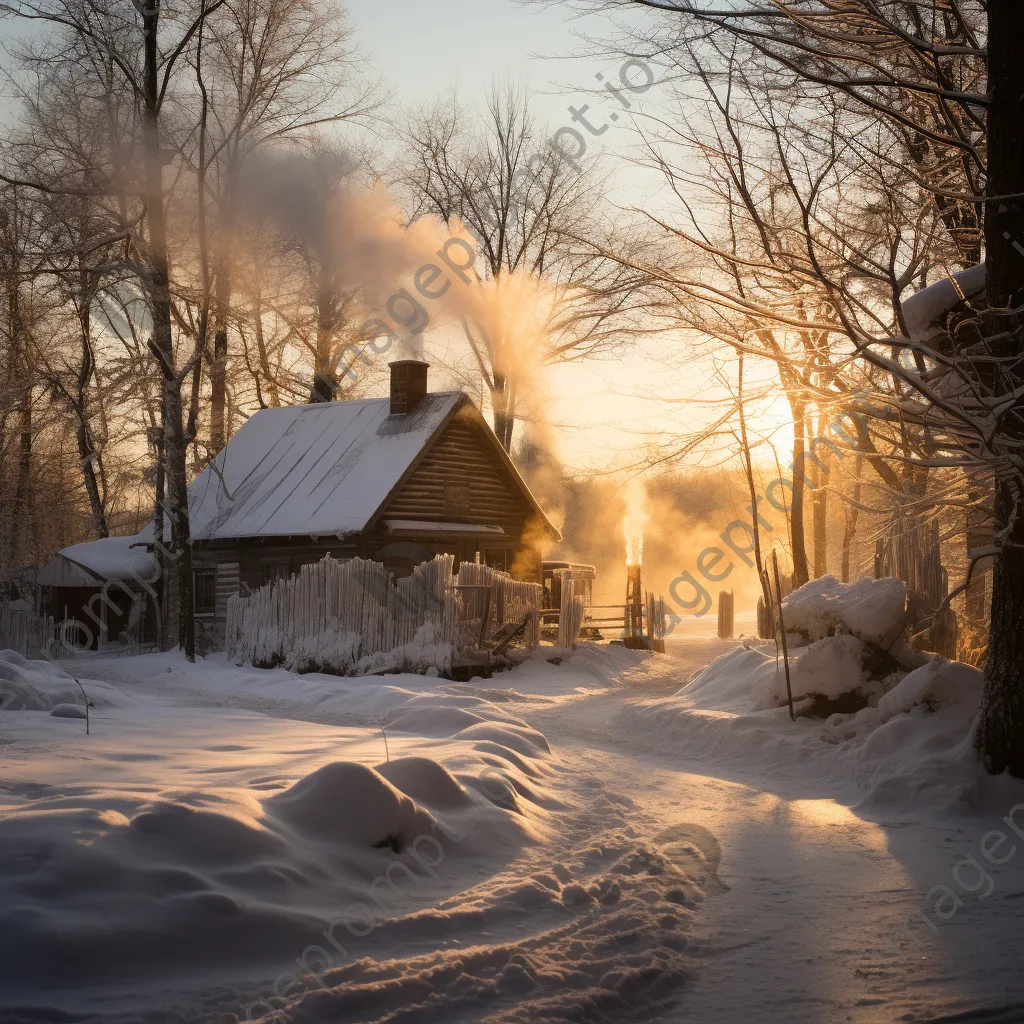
490,598
350,617
657,617
27,633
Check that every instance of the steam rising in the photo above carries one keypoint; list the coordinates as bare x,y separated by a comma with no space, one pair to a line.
635,520
393,279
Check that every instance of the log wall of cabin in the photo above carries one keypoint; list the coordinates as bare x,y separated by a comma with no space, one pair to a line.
463,455
256,557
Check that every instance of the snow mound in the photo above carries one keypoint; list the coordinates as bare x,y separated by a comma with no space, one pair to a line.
177,832
433,721
37,685
936,685
34,685
173,884
517,737
910,746
425,781
748,680
68,711
873,610
830,668
737,681
351,803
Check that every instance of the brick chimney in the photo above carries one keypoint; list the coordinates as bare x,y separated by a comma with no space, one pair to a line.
408,384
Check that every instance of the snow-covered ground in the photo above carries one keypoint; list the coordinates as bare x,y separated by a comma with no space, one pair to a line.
560,842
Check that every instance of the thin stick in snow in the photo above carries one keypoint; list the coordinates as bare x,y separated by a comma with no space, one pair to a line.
387,753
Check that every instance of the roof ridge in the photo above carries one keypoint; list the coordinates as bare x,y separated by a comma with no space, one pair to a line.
340,403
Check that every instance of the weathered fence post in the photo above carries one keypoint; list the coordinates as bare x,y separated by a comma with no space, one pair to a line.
726,615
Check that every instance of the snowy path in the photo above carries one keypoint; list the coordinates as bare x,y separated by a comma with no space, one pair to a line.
814,889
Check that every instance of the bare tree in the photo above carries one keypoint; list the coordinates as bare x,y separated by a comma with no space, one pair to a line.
270,73
19,269
144,51
548,295
948,75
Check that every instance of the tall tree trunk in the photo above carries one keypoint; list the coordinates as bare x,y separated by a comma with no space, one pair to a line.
261,346
160,312
1004,217
159,548
978,534
87,455
852,515
1000,732
819,505
19,380
222,309
796,513
87,458
177,494
22,513
748,469
218,368
819,513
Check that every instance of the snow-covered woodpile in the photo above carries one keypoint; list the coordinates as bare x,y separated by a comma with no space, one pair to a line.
847,643
350,617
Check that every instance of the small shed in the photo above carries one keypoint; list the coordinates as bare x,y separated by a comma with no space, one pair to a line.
102,585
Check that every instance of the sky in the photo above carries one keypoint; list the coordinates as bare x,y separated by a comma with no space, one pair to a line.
427,49
606,412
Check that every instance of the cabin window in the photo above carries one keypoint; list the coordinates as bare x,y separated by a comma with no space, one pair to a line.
456,499
204,591
277,569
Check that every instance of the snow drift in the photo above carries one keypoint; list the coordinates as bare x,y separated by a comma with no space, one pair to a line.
897,721
224,842
27,685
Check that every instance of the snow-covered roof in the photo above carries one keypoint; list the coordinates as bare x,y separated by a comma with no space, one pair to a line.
62,572
923,311
110,558
312,469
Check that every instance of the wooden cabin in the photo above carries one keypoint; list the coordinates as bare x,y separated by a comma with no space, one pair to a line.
397,479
